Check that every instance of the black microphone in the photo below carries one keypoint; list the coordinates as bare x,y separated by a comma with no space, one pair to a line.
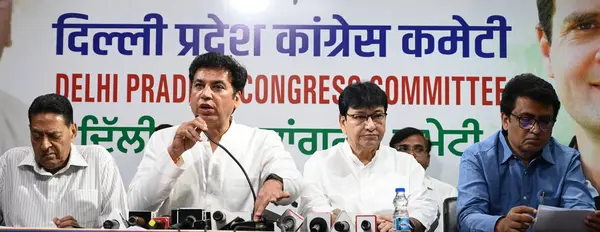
295,2
286,224
342,226
365,225
219,216
186,224
189,221
111,224
239,165
318,225
229,226
137,221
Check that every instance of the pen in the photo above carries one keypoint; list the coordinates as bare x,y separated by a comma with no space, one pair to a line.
543,194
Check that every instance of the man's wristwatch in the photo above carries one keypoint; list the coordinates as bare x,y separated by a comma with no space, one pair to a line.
274,176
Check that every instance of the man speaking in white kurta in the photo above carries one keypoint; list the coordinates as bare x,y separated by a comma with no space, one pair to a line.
182,168
360,175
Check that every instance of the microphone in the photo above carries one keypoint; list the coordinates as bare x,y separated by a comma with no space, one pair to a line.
318,225
229,226
219,216
222,219
343,222
239,165
159,223
156,224
289,221
295,2
139,218
319,221
342,226
111,224
286,224
185,224
265,224
136,221
188,222
365,223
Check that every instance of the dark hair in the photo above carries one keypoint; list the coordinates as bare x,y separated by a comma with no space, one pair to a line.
214,60
52,103
162,126
546,10
406,132
573,142
530,86
362,95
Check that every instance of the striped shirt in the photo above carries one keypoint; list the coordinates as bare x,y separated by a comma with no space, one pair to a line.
89,188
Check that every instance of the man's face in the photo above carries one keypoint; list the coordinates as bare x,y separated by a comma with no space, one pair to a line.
528,142
364,127
212,96
416,145
51,140
573,58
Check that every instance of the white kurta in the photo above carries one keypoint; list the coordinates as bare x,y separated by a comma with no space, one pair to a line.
208,180
89,188
440,192
336,179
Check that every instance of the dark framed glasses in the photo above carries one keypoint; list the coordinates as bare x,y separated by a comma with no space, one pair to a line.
528,122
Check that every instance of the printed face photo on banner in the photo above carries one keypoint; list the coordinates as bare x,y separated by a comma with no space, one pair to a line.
569,39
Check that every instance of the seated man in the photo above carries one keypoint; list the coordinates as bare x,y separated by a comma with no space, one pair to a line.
181,167
412,141
55,183
503,179
360,174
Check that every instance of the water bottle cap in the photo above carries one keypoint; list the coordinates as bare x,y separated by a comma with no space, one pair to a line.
399,190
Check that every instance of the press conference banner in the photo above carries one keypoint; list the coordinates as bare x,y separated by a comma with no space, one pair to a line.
123,65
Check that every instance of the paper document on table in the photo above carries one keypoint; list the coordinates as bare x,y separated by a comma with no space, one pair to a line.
550,218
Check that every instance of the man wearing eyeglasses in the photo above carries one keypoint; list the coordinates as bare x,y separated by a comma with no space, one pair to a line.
503,179
360,175
412,141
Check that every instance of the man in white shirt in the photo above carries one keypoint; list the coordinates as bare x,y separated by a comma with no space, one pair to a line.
54,183
360,175
182,168
412,141
12,122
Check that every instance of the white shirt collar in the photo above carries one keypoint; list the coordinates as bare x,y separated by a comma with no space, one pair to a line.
75,159
347,150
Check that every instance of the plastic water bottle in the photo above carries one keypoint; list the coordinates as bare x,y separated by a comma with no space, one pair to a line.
400,216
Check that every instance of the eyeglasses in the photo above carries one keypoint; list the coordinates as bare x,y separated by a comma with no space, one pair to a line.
361,118
417,149
526,122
